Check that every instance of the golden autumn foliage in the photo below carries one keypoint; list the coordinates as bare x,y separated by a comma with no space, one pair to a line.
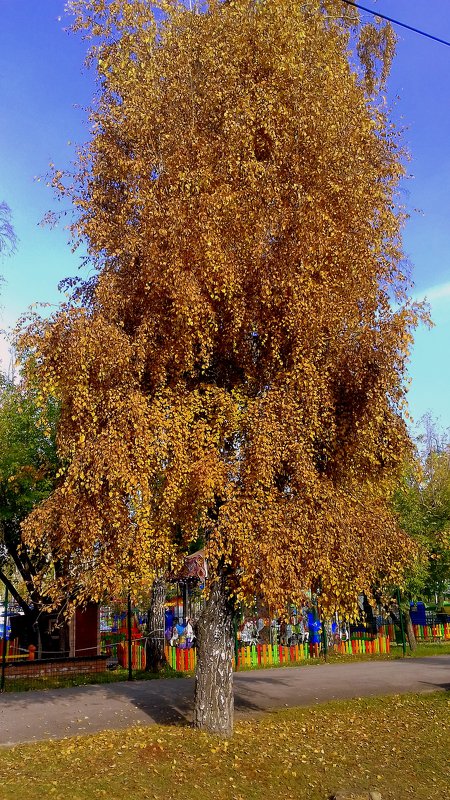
234,370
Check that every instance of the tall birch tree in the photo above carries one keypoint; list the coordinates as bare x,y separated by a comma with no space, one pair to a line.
234,369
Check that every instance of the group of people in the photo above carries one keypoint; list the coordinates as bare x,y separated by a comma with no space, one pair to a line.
301,628
276,631
179,634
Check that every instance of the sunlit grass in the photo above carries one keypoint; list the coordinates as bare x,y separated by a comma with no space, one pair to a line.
400,745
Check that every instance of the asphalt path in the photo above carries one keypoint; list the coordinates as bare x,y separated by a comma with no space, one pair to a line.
59,713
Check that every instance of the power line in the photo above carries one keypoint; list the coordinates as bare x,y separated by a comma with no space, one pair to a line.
397,22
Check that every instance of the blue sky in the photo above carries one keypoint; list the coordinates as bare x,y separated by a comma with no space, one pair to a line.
44,90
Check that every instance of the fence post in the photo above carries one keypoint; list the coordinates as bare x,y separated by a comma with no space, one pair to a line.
130,666
402,629
5,617
235,634
324,641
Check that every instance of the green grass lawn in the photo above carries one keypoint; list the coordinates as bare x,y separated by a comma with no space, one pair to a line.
424,649
399,745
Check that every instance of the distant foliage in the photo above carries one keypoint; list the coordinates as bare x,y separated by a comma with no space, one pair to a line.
423,505
28,469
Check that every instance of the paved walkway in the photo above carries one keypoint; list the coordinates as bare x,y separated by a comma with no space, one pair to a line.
31,716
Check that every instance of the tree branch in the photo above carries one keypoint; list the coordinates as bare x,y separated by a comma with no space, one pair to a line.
14,593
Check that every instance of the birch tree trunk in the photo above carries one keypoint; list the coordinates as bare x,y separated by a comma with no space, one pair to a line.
214,701
156,624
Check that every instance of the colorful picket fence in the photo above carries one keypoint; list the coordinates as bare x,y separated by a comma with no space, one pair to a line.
387,630
12,650
181,659
266,655
365,646
138,658
438,631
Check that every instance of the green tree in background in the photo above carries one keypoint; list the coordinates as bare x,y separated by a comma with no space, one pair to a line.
28,467
423,505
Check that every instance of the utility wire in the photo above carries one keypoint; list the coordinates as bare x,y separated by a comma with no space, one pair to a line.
397,22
